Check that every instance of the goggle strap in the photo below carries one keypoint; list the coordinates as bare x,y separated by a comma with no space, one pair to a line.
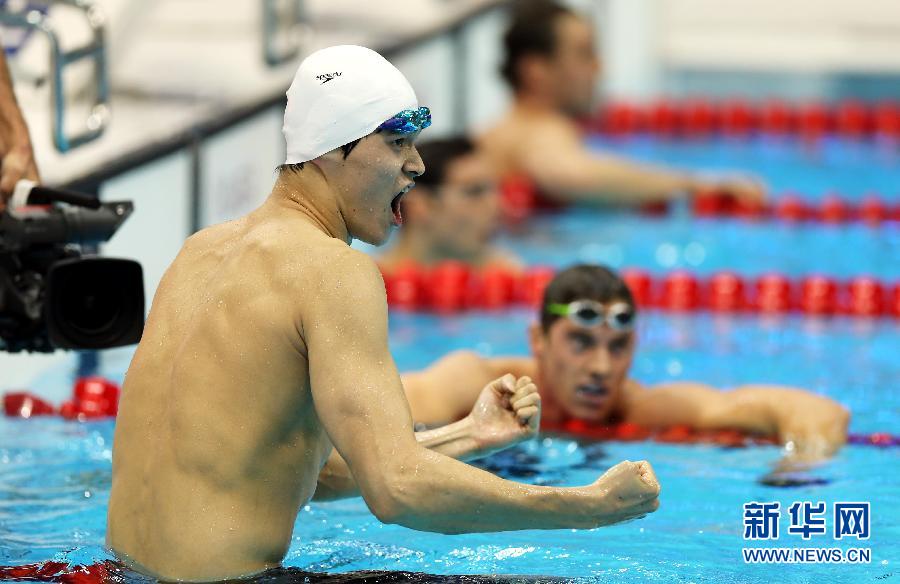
557,309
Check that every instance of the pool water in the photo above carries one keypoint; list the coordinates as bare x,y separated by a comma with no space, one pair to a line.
705,246
851,168
55,477
681,241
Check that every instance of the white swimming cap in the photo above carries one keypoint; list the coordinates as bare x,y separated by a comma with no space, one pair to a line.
338,95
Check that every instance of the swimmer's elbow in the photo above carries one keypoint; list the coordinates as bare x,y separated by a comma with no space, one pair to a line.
392,505
397,499
385,509
387,496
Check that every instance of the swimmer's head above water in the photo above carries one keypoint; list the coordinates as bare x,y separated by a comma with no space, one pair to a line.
584,341
351,99
550,56
455,210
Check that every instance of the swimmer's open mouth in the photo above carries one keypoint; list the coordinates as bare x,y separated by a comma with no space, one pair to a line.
395,205
593,391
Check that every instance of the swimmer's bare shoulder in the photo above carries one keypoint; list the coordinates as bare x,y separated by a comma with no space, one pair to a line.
333,267
515,142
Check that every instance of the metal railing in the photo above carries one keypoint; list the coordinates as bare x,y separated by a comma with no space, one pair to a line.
190,140
95,50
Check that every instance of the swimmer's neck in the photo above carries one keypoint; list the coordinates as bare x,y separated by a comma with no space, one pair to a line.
536,105
307,194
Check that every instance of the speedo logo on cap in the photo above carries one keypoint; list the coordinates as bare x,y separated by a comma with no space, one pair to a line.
326,77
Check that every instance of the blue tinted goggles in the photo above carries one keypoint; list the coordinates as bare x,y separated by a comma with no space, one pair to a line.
408,121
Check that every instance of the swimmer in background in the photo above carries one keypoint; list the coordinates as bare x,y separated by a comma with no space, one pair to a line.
263,377
582,348
551,66
454,212
16,154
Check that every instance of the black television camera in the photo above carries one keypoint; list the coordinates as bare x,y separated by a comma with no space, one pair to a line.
51,297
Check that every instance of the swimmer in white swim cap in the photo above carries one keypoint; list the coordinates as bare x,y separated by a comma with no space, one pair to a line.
264,376
346,99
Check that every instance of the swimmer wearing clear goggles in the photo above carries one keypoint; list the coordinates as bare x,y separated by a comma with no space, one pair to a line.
619,316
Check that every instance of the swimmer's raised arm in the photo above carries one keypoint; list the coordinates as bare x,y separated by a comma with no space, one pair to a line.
498,420
814,425
563,167
360,402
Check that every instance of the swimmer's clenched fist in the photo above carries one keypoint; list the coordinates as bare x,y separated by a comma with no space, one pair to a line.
628,490
508,411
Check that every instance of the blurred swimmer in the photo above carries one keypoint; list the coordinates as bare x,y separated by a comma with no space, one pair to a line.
264,376
551,65
453,213
582,348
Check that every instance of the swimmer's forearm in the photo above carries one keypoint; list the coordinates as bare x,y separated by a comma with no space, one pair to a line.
611,180
621,182
434,493
440,495
455,440
812,427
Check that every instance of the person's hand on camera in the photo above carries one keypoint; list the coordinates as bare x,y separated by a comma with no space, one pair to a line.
16,161
16,154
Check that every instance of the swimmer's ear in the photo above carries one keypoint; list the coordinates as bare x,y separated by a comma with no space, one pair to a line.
534,70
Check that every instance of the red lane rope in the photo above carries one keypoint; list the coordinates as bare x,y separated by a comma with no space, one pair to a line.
92,398
453,287
790,208
53,571
628,432
96,397
520,200
740,118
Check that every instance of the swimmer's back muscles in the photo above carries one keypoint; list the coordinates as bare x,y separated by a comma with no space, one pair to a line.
217,436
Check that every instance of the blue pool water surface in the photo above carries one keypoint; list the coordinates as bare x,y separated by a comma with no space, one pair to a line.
851,168
680,241
55,475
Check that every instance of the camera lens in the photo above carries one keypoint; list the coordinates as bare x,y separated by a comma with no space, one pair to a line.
95,303
91,307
